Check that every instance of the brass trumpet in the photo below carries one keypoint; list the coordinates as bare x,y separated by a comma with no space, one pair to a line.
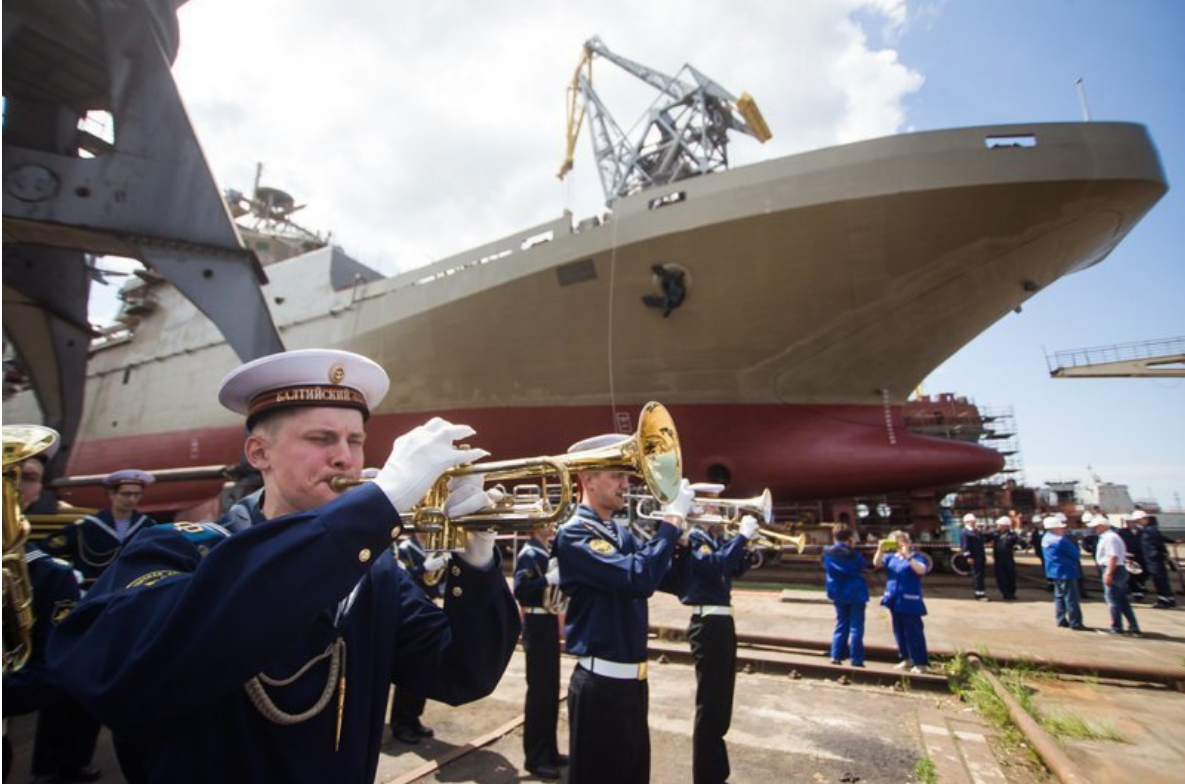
20,443
652,452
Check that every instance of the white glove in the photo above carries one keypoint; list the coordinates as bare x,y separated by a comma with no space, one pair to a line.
680,506
748,526
479,549
436,562
553,572
466,496
421,455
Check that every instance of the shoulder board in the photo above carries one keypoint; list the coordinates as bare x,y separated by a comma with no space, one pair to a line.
204,535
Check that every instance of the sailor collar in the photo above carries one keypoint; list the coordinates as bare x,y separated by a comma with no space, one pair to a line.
606,530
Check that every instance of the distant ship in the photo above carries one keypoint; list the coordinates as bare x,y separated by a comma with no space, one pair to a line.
818,291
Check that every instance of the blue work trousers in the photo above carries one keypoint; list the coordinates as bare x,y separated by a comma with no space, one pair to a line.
848,639
1067,608
910,633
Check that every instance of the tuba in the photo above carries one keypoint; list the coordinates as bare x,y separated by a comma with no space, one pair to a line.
21,442
651,452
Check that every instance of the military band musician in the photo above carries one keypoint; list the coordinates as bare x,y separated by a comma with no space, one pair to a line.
267,656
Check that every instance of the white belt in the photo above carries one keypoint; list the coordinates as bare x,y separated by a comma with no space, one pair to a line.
612,669
536,611
711,609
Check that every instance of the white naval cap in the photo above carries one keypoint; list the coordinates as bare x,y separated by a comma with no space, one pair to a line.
301,378
1053,522
1004,520
597,442
128,476
969,518
1099,519
1139,514
700,488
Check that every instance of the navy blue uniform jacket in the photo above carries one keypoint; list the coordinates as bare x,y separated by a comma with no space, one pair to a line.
160,648
55,593
608,574
530,575
91,543
712,565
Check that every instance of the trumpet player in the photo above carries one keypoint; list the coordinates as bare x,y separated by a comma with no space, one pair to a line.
712,564
407,705
608,574
228,658
536,578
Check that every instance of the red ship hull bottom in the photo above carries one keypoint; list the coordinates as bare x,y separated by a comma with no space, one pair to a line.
799,452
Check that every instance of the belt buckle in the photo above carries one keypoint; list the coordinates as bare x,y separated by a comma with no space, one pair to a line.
642,671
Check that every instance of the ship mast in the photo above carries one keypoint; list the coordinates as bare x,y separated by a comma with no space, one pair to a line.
684,133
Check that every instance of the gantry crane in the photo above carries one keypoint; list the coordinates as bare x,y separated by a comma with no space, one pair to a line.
685,133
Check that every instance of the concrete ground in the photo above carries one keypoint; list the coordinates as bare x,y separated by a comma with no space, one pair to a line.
817,730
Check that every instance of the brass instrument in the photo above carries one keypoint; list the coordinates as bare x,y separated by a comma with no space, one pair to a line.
652,452
20,442
764,537
555,601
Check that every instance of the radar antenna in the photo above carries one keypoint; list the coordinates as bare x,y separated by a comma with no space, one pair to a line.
685,132
270,211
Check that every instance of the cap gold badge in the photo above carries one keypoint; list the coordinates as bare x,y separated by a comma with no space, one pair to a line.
337,373
705,549
600,547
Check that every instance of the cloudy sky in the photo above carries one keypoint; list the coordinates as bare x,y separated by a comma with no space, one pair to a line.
417,129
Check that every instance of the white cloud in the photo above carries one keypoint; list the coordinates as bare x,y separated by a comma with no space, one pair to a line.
416,130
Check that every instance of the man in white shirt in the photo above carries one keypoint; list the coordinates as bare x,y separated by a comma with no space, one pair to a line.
1111,555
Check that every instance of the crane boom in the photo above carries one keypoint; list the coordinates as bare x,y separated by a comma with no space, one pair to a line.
685,133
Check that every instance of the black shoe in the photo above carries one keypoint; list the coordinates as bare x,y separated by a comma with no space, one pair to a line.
546,772
858,664
47,778
406,735
83,773
1080,628
561,760
422,731
837,661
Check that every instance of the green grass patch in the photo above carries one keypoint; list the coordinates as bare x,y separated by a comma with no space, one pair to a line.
925,772
1063,724
975,689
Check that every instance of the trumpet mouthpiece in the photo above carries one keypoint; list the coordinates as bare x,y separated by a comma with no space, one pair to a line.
340,484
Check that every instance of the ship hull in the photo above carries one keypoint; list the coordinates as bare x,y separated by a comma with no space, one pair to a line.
798,452
821,290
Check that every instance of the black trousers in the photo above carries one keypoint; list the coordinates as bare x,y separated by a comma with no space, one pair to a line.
541,642
977,577
1005,569
406,708
713,640
609,736
65,739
